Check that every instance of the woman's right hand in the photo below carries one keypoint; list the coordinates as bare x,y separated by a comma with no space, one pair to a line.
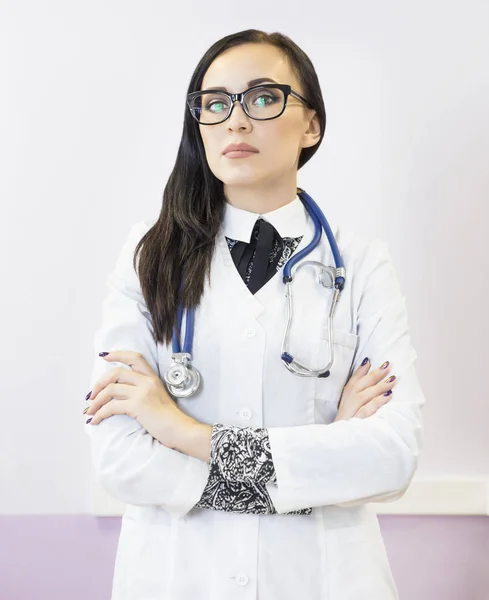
363,395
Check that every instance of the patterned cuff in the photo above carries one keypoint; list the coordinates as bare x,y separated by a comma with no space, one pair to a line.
240,466
242,454
249,498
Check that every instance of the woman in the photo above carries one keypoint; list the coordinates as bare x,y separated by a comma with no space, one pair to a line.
258,485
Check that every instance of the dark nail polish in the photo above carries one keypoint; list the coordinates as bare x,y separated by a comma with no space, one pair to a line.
88,395
391,379
102,353
385,365
88,421
388,393
364,361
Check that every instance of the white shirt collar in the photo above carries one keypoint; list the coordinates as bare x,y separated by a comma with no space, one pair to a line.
289,220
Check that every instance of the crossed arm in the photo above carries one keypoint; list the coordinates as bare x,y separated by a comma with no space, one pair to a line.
343,463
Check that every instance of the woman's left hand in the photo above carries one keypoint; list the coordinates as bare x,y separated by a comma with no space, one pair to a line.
139,393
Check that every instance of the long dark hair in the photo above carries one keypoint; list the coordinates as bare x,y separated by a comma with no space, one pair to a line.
183,238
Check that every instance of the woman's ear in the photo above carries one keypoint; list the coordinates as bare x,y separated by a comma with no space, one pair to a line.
312,134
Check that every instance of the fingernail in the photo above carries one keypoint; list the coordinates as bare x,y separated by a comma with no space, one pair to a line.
102,353
385,365
88,421
88,395
86,410
364,362
388,393
391,379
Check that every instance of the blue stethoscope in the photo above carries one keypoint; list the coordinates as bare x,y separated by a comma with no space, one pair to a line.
183,379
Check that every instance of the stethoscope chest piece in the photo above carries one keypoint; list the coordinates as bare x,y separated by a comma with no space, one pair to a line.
182,379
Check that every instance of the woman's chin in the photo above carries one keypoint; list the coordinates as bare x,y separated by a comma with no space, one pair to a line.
240,179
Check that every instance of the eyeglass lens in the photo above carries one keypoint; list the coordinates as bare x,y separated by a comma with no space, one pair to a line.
261,103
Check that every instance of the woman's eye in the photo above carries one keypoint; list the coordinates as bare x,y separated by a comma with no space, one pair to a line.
265,99
215,106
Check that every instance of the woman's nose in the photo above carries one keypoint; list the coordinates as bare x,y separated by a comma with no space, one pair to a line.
238,118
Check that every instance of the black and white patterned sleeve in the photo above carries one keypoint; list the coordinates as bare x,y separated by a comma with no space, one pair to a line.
240,467
242,454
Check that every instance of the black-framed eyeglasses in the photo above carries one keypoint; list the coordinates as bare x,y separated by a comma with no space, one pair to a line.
260,102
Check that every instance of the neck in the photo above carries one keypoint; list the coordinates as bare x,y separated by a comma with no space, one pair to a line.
260,199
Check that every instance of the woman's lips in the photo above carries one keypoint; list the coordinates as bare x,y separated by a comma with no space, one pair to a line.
239,154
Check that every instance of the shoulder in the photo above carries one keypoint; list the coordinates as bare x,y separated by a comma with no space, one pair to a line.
134,235
124,267
367,258
358,248
369,266
138,230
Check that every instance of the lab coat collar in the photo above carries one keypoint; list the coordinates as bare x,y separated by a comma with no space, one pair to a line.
289,220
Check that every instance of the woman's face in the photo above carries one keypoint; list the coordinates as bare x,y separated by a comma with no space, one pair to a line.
279,141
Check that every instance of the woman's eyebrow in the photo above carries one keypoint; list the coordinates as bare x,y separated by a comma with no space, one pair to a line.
249,84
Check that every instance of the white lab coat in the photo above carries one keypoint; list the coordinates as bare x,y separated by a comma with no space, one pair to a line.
169,550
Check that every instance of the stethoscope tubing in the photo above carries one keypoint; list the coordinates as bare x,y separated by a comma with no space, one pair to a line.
338,275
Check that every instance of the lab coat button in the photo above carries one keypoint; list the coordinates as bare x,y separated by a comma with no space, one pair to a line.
245,414
249,332
241,579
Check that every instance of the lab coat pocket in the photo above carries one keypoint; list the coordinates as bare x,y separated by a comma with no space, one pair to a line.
328,390
359,564
145,559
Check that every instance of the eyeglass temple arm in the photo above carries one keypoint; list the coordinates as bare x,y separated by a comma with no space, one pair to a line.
297,95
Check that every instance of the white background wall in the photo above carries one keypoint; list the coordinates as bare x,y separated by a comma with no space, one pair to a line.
91,113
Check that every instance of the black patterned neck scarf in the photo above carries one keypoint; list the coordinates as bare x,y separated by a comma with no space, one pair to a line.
257,261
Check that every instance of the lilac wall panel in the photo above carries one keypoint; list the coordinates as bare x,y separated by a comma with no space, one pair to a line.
438,557
67,557
72,557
